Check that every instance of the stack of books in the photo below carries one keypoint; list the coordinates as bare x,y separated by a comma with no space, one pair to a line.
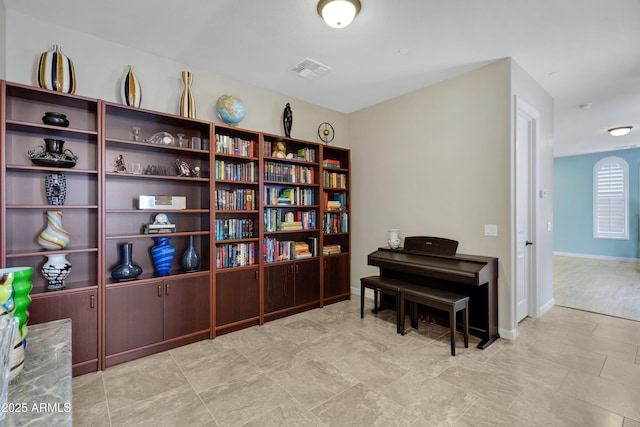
329,163
292,225
331,249
333,205
301,250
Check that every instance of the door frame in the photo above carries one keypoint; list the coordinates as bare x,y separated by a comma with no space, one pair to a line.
525,110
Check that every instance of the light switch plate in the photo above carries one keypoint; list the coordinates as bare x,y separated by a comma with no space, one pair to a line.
491,230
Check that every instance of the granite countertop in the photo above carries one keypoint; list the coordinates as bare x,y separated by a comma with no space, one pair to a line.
41,394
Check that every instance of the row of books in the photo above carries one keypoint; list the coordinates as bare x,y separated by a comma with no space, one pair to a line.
307,154
282,172
275,219
226,144
334,179
234,228
240,199
229,255
289,196
285,250
236,171
335,222
330,163
331,249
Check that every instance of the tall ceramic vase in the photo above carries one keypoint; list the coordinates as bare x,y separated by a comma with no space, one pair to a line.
162,254
55,270
187,103
54,236
190,258
15,285
127,269
56,72
130,90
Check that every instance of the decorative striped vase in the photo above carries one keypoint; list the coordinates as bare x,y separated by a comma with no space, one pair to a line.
56,72
162,254
54,237
187,103
130,90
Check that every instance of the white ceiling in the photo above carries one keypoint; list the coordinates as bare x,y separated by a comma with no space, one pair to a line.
592,45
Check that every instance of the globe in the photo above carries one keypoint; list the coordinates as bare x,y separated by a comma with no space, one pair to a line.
230,109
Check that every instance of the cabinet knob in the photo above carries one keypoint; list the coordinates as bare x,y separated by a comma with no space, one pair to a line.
166,289
159,291
92,301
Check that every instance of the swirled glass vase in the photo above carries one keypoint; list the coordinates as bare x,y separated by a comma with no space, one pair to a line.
54,236
162,254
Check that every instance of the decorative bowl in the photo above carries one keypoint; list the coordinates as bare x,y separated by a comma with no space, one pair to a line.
55,119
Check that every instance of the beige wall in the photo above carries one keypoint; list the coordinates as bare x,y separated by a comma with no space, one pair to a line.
100,66
436,162
3,41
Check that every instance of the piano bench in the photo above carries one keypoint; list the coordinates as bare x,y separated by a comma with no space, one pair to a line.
382,285
440,299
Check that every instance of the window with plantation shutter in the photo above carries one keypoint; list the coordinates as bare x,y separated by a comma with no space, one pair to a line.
611,199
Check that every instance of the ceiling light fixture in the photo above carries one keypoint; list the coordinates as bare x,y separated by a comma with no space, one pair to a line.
620,131
338,13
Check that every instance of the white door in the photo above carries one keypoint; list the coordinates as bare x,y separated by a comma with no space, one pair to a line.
526,134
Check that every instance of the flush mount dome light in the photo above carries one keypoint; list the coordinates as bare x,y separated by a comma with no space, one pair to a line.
620,131
338,13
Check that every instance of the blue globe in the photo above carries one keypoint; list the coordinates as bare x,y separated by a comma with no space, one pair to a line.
230,109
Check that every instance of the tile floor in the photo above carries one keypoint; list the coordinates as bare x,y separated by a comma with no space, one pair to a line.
327,367
601,286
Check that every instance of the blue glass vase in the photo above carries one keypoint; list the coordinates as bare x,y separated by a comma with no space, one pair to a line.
127,269
162,254
190,259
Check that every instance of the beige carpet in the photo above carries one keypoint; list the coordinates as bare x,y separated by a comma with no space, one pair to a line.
606,287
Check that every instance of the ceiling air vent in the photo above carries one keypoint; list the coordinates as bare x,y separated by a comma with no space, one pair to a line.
310,69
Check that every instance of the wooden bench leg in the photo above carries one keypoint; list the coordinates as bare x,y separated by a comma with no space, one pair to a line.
414,315
465,324
362,288
452,327
375,301
400,320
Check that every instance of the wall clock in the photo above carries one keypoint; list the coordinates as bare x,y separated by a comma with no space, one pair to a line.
325,132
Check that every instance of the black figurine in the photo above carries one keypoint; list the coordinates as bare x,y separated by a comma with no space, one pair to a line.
287,120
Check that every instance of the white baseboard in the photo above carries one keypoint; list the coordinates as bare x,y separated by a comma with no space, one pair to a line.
599,257
546,307
508,334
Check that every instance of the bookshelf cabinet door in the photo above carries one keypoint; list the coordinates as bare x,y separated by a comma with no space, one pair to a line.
134,316
186,306
336,275
237,296
82,309
307,281
278,287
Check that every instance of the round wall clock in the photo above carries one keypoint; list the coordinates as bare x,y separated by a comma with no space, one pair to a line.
325,132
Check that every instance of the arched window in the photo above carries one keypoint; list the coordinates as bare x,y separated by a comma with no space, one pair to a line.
611,199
